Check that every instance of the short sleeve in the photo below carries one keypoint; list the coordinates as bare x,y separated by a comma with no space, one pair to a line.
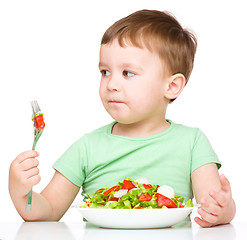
202,152
72,163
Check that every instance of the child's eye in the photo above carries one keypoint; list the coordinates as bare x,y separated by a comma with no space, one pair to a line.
128,74
105,73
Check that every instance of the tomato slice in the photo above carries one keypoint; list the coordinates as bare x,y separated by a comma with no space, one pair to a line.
128,185
147,186
100,189
113,199
164,201
144,197
108,191
39,122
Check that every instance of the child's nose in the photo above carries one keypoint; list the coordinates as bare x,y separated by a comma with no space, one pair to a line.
114,83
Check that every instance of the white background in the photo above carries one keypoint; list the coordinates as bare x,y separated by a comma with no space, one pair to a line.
49,52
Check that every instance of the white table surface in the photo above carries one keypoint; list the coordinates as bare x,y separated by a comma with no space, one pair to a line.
81,230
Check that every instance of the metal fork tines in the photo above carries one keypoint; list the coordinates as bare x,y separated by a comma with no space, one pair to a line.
35,107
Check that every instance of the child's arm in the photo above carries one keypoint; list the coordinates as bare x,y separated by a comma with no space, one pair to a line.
214,194
51,203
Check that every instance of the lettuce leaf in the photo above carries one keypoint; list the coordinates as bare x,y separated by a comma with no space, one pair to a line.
189,203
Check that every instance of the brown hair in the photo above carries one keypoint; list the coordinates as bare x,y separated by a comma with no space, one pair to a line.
158,31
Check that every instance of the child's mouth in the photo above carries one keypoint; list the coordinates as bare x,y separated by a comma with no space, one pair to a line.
115,101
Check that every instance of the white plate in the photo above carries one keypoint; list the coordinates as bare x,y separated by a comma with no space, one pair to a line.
135,218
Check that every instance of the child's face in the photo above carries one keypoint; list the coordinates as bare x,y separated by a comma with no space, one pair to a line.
132,84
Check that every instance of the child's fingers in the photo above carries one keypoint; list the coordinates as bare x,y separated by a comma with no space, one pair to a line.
220,197
31,172
210,207
27,154
207,216
202,222
225,184
29,163
34,180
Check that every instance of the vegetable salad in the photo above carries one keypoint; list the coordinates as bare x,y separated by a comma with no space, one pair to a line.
135,194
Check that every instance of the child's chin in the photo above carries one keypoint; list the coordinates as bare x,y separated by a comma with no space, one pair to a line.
121,119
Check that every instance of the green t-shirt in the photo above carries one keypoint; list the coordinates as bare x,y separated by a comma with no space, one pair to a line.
100,159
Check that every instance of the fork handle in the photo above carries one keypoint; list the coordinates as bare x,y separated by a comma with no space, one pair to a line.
36,139
29,201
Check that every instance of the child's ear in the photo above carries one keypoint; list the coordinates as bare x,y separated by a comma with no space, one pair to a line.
174,86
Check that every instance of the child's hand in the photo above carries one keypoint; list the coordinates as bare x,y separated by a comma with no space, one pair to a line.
218,212
23,173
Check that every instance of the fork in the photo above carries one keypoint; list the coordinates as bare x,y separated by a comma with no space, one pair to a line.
38,123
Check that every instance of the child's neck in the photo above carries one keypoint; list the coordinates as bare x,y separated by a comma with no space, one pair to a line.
140,130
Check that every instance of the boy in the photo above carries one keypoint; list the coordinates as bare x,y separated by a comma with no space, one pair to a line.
145,61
